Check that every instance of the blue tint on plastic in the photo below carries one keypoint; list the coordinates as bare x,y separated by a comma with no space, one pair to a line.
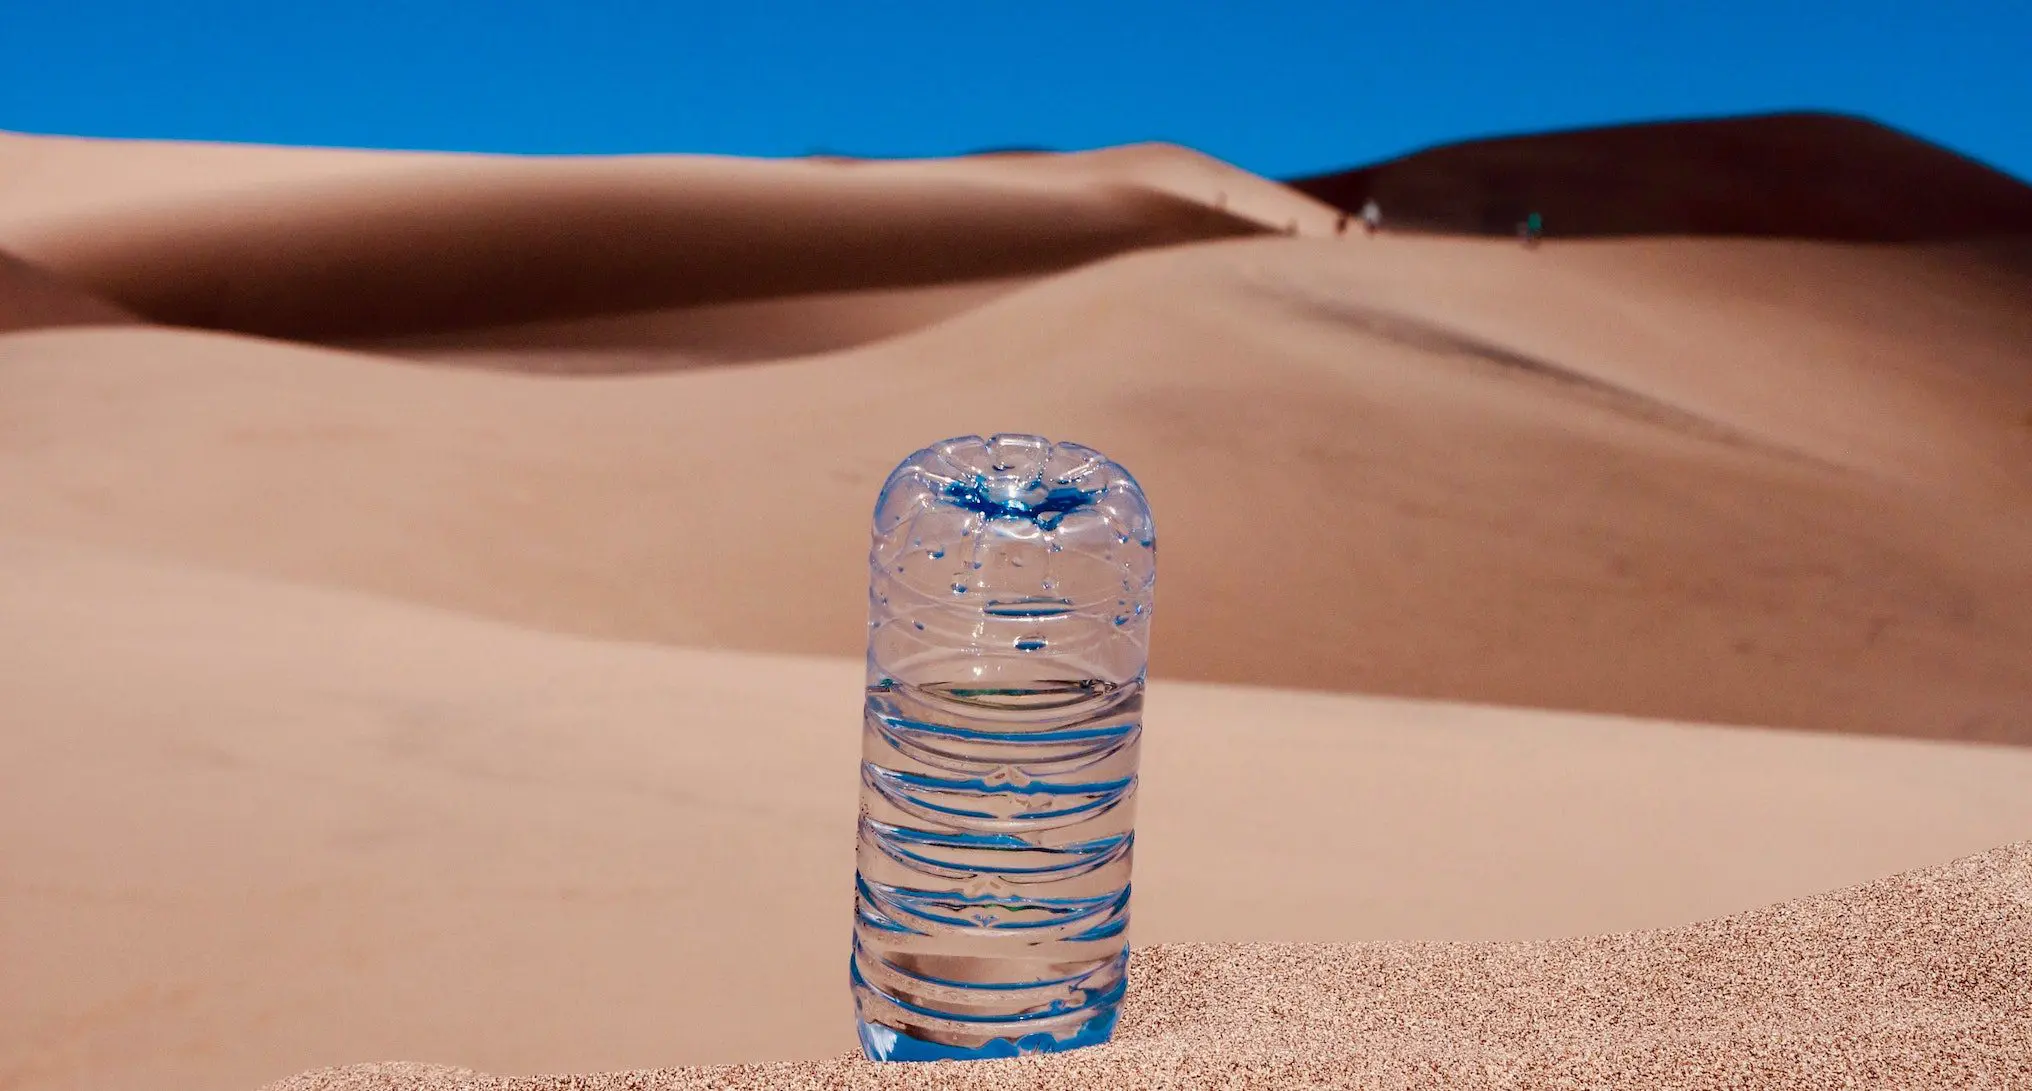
1044,506
1009,588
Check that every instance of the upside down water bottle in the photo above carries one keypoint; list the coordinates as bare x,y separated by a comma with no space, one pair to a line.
1009,615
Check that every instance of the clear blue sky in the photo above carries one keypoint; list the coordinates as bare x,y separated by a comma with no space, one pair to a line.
1279,86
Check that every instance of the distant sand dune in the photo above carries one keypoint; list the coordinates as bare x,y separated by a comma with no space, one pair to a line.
1168,168
56,180
419,246
1907,361
31,298
1799,175
677,338
477,244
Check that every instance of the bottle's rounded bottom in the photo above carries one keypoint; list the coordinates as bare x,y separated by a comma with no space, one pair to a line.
893,1029
885,1043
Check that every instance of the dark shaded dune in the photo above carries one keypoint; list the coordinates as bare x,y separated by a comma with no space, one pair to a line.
492,243
700,335
33,298
2011,255
1796,175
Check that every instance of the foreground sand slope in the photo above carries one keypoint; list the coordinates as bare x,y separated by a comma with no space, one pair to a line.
1913,982
1711,481
251,828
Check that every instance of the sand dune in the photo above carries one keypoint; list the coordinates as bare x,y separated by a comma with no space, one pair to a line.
52,181
32,298
1800,175
807,323
460,243
1168,168
677,338
484,243
356,706
251,828
1913,982
1619,478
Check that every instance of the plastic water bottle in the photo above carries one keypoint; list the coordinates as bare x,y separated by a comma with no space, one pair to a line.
1009,617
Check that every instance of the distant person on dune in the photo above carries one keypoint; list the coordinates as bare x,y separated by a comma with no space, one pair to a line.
1340,224
1372,216
1531,229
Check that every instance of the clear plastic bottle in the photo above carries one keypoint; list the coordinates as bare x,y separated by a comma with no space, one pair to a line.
1009,615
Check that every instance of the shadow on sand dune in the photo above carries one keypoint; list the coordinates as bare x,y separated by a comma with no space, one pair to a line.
1801,175
487,243
34,298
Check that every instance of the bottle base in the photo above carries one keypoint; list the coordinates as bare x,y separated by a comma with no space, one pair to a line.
886,1043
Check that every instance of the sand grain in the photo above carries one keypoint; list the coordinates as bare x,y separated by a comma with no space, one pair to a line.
1917,981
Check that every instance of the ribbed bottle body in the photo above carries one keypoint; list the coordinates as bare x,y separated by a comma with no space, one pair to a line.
1009,611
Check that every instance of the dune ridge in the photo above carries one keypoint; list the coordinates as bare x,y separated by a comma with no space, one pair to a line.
1789,175
353,247
1915,981
485,244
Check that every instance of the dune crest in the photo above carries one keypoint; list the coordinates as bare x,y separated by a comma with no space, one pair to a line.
1789,175
423,245
473,245
1169,168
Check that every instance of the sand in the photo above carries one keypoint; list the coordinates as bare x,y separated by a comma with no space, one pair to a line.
1913,981
1788,175
32,298
1629,478
253,827
471,242
430,589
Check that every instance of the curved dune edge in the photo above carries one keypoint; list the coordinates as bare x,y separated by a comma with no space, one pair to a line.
681,338
33,298
1913,981
432,245
790,325
485,245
